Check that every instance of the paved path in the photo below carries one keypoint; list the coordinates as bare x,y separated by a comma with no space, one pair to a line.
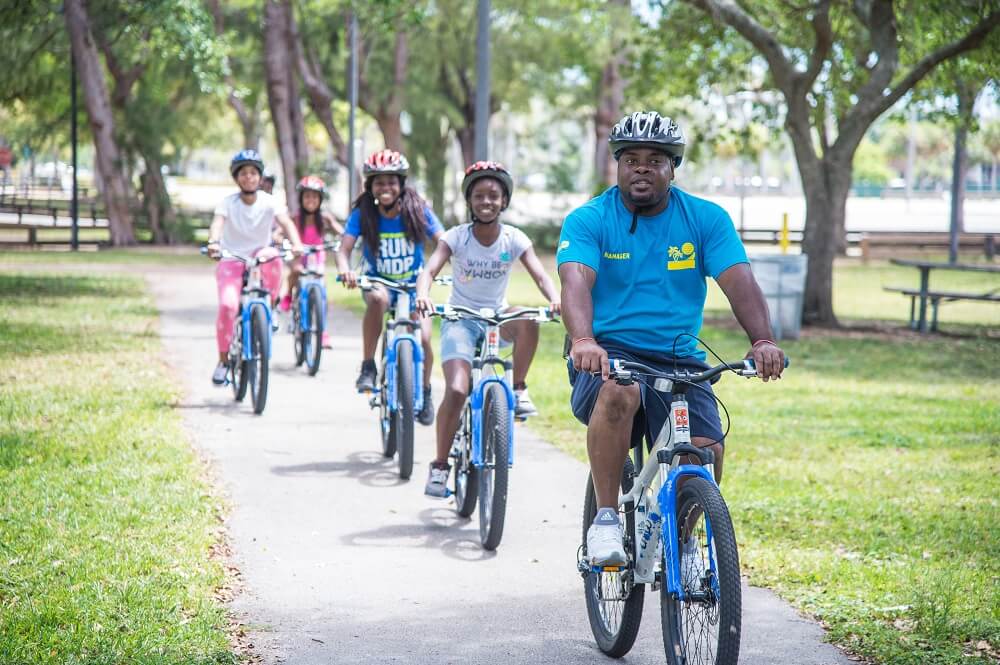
343,563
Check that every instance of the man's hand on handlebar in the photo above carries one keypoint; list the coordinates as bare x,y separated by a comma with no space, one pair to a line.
588,356
769,359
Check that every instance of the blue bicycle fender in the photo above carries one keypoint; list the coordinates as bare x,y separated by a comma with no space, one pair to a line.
667,502
476,402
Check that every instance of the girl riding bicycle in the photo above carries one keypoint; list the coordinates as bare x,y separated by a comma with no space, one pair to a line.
312,224
482,253
242,226
393,222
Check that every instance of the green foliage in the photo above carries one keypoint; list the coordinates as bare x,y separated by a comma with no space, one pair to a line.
870,167
106,523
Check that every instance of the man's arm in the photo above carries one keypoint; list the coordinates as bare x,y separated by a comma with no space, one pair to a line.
578,317
542,280
750,308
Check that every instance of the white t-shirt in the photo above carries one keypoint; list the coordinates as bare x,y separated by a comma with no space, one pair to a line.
248,227
481,274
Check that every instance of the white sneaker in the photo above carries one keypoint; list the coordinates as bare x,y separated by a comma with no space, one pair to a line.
604,541
523,406
219,375
692,565
437,482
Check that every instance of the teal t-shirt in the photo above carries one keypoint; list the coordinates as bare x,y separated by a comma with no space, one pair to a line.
650,284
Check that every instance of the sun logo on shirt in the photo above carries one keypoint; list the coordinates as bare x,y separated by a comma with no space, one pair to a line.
682,258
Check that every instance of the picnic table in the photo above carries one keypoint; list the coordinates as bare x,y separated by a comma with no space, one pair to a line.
925,294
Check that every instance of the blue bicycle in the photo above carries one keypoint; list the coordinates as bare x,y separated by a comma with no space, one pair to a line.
483,449
309,309
250,350
401,365
678,538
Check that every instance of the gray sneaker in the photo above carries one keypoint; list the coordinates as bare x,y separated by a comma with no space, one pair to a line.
220,374
437,481
523,406
604,540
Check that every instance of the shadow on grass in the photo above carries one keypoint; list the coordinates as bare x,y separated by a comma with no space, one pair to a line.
29,288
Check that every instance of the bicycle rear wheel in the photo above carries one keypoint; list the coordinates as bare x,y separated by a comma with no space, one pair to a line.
260,338
466,479
238,367
705,628
493,473
313,335
614,602
404,409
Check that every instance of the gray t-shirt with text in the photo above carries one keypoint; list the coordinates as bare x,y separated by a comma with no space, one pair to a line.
481,274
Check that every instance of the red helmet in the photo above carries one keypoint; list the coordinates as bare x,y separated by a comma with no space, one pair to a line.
311,183
494,170
386,162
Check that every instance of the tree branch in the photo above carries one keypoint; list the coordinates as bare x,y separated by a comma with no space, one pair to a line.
731,14
882,28
824,40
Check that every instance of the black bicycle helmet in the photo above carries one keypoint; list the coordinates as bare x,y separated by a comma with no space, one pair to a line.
244,157
485,169
647,129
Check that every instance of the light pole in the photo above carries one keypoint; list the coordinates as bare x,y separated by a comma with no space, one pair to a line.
481,147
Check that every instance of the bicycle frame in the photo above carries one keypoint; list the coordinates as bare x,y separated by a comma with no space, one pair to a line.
490,356
393,340
252,295
310,280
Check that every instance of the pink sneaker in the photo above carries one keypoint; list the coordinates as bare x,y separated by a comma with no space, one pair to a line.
285,303
327,343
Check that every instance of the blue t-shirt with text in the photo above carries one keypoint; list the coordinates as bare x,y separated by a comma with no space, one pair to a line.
398,257
650,284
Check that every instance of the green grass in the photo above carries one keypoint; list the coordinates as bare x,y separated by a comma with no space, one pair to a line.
105,522
180,255
864,485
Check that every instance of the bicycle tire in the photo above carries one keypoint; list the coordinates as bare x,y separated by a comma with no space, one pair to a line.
705,631
314,335
238,367
493,475
404,409
466,481
260,345
300,351
386,418
615,624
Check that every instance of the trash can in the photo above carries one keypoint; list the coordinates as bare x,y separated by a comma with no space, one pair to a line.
782,278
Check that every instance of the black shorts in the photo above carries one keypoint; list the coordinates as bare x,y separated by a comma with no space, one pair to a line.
702,408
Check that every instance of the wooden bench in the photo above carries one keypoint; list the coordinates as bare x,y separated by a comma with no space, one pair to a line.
936,298
872,241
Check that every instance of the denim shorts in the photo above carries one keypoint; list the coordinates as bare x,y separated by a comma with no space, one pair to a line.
703,411
460,338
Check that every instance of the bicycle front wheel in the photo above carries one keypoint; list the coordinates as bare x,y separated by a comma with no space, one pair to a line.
313,336
493,473
404,409
614,601
466,480
300,351
704,629
260,346
386,418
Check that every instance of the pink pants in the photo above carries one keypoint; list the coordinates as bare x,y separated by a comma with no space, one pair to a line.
229,279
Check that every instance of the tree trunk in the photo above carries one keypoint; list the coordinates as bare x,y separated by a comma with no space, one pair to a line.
387,111
156,201
276,69
610,98
298,124
467,140
98,104
392,130
960,164
826,186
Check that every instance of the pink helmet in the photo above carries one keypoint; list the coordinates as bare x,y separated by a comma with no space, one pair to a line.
311,183
386,162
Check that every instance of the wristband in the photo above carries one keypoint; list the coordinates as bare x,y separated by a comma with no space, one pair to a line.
762,341
580,339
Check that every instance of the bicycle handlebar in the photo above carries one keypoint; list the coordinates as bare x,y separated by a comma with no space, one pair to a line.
249,262
455,312
624,370
366,282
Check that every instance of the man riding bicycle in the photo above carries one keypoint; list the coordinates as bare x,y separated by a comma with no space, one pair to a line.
633,264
